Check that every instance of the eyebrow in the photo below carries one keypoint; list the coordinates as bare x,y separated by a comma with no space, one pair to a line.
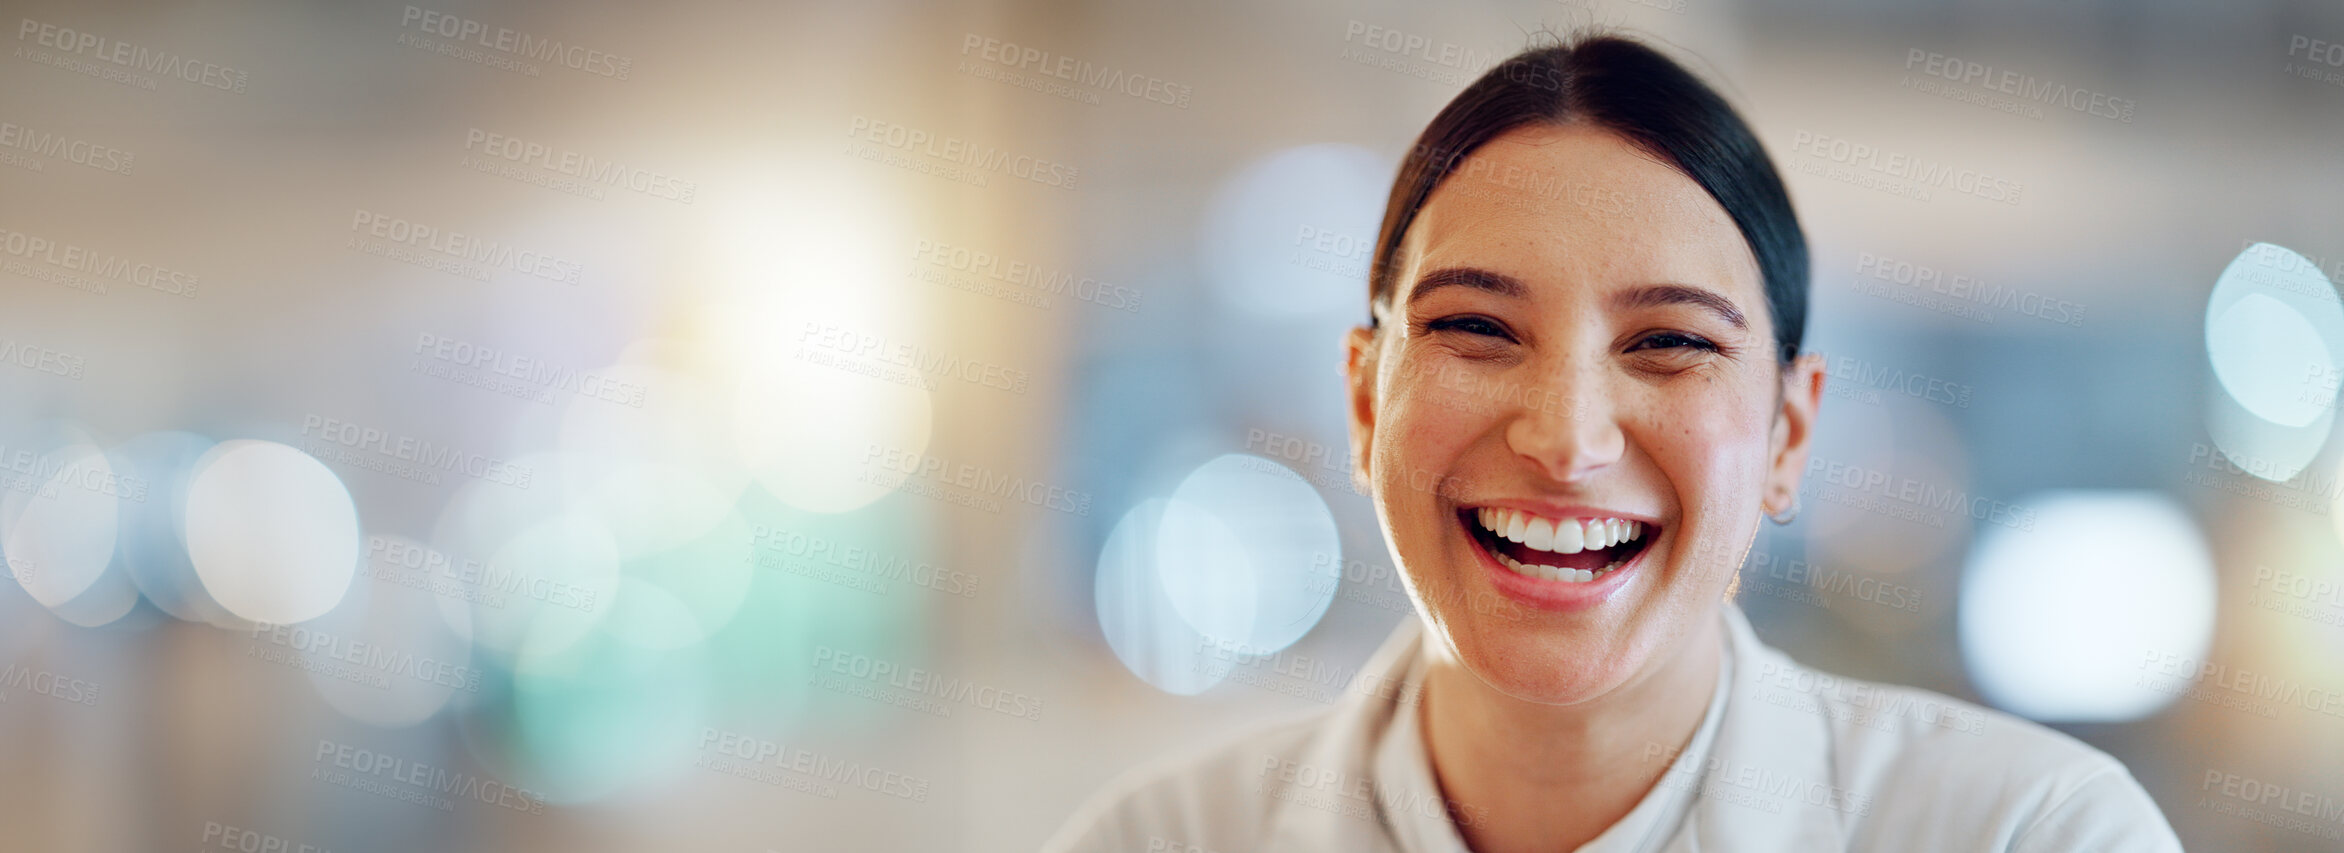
1479,279
1646,296
1656,295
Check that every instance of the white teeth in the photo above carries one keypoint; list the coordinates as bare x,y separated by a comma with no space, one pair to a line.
1558,536
1561,536
1541,535
1557,573
1570,538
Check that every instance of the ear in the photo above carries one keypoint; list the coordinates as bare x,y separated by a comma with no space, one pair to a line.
1794,430
1359,369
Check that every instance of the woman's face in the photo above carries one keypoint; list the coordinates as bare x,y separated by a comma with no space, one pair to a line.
1578,333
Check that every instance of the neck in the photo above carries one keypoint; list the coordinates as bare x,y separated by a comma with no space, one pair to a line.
1505,764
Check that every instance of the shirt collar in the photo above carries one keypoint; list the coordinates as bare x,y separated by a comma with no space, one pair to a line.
1771,782
1408,797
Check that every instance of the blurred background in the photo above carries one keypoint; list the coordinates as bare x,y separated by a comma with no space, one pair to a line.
717,426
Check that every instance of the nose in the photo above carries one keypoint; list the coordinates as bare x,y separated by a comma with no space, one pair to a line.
1567,429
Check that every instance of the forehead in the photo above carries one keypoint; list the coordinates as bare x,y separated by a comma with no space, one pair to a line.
1579,203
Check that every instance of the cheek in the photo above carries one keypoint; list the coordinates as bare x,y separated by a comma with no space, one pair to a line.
1424,425
1713,449
1712,446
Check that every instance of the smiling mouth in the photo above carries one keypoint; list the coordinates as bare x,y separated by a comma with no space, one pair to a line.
1571,550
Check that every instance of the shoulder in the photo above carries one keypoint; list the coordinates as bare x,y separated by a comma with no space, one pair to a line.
1208,799
1915,763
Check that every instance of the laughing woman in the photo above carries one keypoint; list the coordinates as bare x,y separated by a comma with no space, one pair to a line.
1585,316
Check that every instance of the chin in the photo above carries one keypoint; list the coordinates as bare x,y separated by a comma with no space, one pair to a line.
1549,603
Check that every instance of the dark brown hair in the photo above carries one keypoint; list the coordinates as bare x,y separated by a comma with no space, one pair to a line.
1623,86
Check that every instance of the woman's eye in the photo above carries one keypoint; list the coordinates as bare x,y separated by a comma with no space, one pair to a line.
1673,340
1469,325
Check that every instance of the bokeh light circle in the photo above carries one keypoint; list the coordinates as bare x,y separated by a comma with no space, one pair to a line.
1249,553
60,535
553,581
680,596
595,717
1147,634
383,656
821,438
2264,352
1292,235
152,548
2274,329
2056,619
272,532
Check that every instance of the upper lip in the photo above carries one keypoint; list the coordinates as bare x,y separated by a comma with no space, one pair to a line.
1553,510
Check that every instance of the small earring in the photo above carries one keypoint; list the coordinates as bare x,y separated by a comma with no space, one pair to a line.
1787,515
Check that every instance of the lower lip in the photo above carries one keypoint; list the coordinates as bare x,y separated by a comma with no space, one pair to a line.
1558,596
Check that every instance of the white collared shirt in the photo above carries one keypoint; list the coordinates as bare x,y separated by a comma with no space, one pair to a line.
1786,758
